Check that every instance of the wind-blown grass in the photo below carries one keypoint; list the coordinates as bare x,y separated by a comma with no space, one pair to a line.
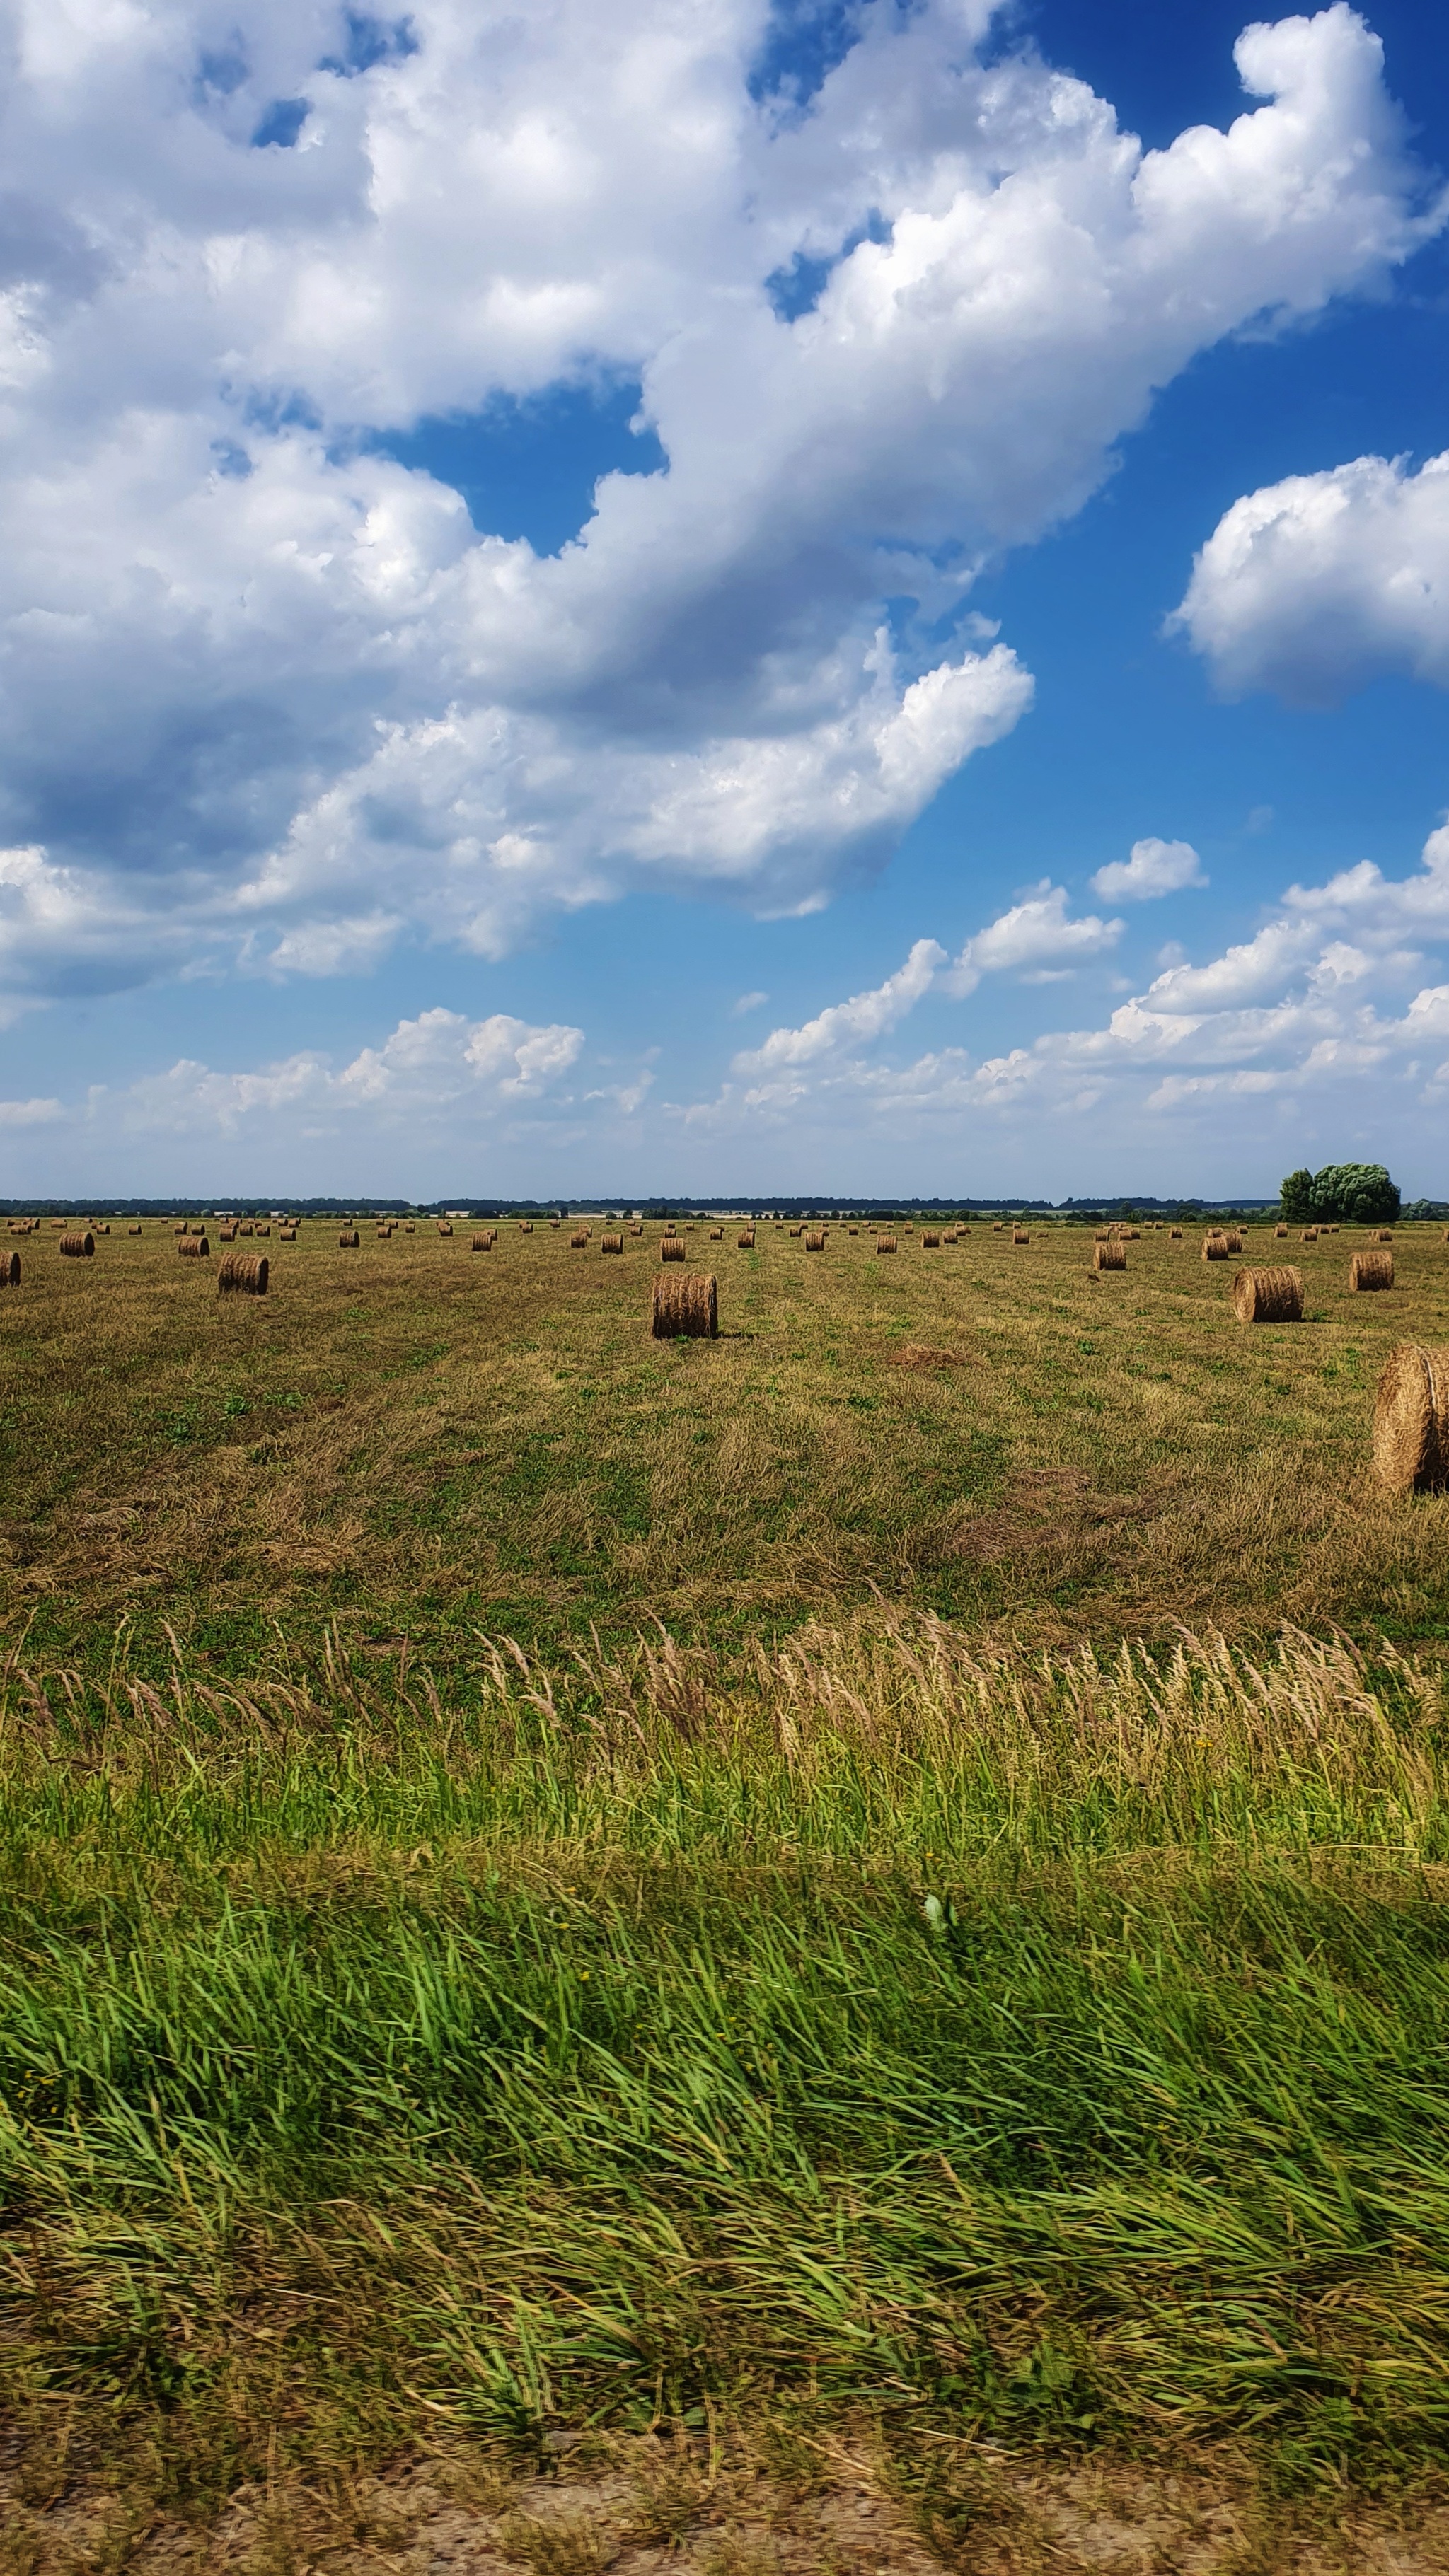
1051,2044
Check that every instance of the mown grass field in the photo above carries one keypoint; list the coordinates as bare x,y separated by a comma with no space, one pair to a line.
931,1938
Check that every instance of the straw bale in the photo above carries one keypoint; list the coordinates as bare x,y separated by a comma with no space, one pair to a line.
1384,1234
443,1226
408,1226
795,1233
852,1229
286,1234
1273,1296
671,1247
578,1240
669,1226
885,1243
1215,1247
636,1229
133,1229
1174,1234
1107,1255
930,1243
1309,1234
1411,1419
1233,1239
195,1248
611,1243
1105,1237
79,1247
687,1306
226,1234
1019,1234
349,1240
815,1240
242,1274
1280,1233
483,1242
997,1226
9,1269
745,1239
525,1225
1372,1269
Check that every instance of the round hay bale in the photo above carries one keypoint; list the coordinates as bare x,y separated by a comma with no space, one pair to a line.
688,1306
671,1248
795,1233
636,1229
852,1229
716,1234
80,1247
243,1226
1107,1255
1174,1234
1372,1269
443,1226
408,1226
1411,1419
1268,1296
266,1230
885,1243
176,1229
286,1234
195,1248
1384,1234
1233,1239
1214,1247
669,1226
525,1225
133,1229
9,1269
745,1239
611,1243
815,1240
242,1274
482,1242
1309,1234
349,1240
1281,1233
578,1240
1019,1234
226,1234
997,1226
930,1243
1106,1237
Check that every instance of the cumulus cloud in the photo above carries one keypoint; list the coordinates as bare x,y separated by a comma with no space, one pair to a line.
1311,586
269,700
1035,935
1151,868
438,1063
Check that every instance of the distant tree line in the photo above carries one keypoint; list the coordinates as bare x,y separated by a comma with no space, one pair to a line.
1341,1194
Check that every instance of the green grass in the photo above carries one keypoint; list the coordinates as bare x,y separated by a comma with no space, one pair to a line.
938,1918
1054,2049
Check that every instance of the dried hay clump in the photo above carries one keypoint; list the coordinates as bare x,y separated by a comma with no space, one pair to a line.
1107,1255
1281,1233
671,1248
349,1240
1019,1234
885,1243
1268,1296
745,1239
578,1240
485,1241
930,1243
1371,1269
611,1243
243,1274
1384,1234
688,1306
195,1248
1411,1419
815,1239
81,1247
1215,1247
9,1269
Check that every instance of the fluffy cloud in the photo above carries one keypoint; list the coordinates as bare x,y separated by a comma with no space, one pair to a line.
1313,585
1035,936
437,1064
268,699
1151,868
1325,1011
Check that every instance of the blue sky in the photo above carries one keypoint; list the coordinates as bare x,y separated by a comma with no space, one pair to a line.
587,601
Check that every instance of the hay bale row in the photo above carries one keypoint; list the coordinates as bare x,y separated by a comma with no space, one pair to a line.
1411,1419
242,1274
1107,1255
1371,1269
78,1247
1272,1296
671,1248
688,1306
194,1247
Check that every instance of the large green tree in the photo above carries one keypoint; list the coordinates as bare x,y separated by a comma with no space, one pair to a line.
1341,1194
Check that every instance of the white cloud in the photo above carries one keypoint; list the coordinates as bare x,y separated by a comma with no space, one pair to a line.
863,1017
1311,586
747,1002
1035,933
1152,868
29,1113
435,1064
270,701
